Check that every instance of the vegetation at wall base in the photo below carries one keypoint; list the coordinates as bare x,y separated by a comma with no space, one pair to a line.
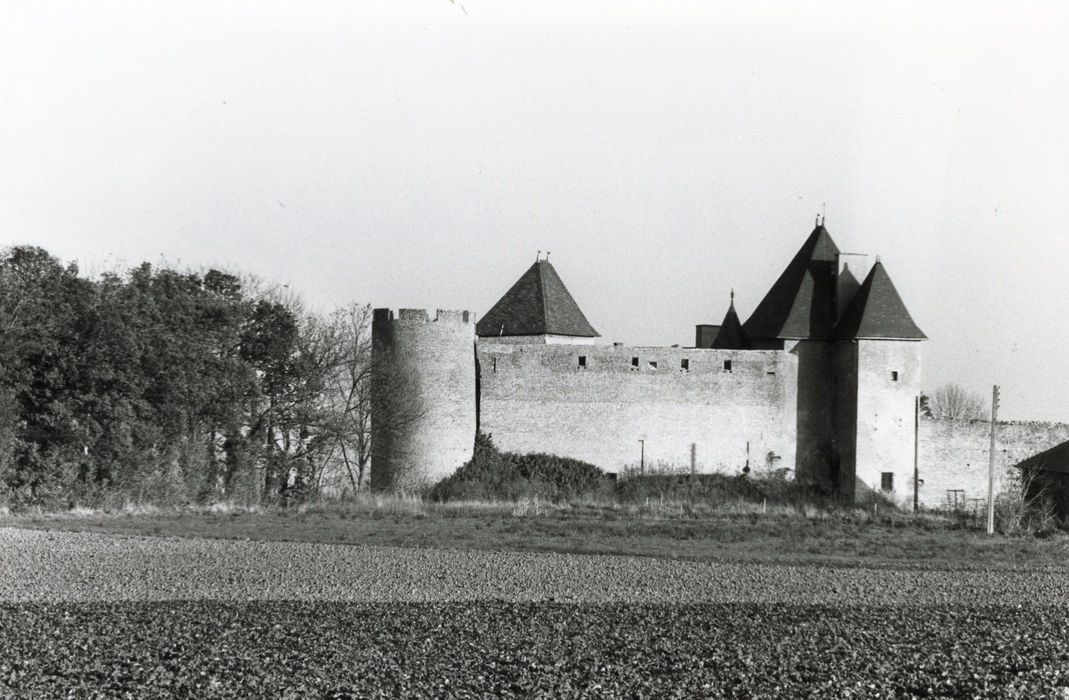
493,475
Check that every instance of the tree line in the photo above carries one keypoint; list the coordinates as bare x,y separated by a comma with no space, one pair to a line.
161,385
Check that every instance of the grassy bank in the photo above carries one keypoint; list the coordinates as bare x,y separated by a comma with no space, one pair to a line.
670,529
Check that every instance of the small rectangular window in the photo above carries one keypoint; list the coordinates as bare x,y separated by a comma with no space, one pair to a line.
727,365
894,375
582,362
653,364
887,481
634,362
684,364
495,365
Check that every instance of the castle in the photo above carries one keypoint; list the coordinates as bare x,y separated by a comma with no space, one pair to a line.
822,379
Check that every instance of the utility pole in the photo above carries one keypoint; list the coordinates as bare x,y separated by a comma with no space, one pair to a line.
916,444
991,468
642,457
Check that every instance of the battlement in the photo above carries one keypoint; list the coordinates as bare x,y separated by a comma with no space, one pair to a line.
460,316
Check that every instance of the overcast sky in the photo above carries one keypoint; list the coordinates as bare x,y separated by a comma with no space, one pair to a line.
420,153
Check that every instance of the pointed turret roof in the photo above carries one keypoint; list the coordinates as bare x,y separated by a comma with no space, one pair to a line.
731,335
801,303
538,304
877,311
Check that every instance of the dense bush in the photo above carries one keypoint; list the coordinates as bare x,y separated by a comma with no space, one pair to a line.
495,475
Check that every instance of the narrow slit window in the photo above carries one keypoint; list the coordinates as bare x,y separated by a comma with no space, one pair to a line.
727,365
582,362
494,368
894,375
684,364
887,481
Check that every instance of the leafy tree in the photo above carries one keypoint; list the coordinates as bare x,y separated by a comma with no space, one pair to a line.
156,384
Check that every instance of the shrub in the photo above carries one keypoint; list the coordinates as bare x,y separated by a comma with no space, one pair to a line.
495,475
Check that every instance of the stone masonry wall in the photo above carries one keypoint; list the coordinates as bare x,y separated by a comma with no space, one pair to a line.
954,454
596,403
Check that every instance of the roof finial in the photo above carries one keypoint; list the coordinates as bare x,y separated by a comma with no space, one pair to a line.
732,296
817,221
538,256
823,212
547,256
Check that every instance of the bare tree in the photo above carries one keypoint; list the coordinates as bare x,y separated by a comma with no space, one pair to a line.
952,402
349,397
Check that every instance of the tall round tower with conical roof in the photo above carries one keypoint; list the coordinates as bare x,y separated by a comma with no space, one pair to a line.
798,315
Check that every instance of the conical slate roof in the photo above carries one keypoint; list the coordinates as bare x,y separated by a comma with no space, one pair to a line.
801,303
877,311
538,304
731,336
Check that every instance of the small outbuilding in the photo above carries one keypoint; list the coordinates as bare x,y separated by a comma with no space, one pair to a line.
1047,474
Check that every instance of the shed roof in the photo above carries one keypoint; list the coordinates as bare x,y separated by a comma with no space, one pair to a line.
801,303
1056,459
537,304
877,311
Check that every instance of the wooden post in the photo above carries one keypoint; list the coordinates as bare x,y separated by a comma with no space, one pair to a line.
642,457
991,467
693,457
916,447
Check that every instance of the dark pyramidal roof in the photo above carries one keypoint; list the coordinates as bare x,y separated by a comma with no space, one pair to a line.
877,311
538,304
801,303
731,335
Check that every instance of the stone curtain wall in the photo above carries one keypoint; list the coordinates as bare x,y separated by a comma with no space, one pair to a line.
954,454
541,399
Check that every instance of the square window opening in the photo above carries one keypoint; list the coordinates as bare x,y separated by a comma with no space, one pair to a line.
727,365
653,364
684,364
894,375
887,481
634,362
582,362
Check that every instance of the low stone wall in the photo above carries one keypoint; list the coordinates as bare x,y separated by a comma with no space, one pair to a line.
955,455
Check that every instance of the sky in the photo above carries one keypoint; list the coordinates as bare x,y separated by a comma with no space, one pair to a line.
419,154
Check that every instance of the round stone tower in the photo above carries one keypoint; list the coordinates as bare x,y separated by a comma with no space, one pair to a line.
422,396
